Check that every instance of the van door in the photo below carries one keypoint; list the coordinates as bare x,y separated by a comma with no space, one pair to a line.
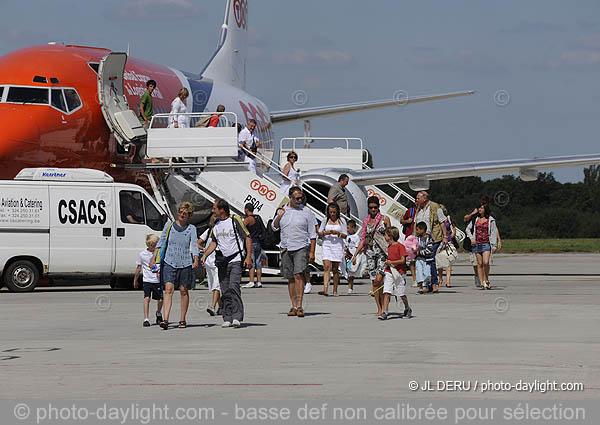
136,217
121,120
81,230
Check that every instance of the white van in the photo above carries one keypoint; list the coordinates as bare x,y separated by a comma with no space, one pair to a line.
72,223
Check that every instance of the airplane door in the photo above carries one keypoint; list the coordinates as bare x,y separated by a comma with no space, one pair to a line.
120,119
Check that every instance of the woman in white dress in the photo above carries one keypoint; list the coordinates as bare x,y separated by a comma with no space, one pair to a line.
290,176
333,229
178,107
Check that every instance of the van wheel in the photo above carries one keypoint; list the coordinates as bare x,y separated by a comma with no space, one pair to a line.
22,276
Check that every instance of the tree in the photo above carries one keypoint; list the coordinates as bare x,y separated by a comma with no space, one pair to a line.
591,175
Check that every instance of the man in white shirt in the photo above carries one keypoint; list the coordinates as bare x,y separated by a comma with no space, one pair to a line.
229,236
298,237
249,142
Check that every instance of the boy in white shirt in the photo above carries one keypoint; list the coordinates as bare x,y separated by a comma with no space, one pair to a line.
351,242
150,280
212,275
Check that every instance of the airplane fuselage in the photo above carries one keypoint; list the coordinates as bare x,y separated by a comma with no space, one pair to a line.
56,131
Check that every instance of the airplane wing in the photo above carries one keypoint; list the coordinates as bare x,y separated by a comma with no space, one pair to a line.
418,176
326,111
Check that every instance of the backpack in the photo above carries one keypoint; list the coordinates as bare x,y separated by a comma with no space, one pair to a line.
263,229
411,214
271,237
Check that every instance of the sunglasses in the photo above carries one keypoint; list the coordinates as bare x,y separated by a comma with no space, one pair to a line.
297,198
373,207
292,157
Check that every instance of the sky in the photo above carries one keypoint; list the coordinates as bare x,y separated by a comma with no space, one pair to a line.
534,66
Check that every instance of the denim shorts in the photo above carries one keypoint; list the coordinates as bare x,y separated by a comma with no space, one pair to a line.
179,277
482,247
256,256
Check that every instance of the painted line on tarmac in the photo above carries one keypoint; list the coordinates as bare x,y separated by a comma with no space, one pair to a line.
216,385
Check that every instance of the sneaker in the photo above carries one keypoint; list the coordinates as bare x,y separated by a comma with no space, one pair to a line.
419,292
307,288
350,290
236,323
414,285
158,317
210,310
248,285
226,325
408,313
146,323
258,285
382,316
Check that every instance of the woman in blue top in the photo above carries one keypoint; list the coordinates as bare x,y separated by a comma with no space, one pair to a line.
177,267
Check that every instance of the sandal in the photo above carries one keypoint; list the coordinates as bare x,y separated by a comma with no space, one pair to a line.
182,324
335,294
488,285
448,285
164,324
482,288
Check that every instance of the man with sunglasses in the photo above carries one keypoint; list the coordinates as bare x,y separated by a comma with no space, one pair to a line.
297,224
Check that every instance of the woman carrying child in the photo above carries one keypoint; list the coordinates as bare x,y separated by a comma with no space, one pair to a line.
484,238
372,242
333,229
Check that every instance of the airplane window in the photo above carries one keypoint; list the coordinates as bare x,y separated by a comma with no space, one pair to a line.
27,95
54,80
57,100
73,101
1,92
132,211
38,79
154,219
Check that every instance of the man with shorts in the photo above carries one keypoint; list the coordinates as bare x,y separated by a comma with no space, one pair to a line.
297,224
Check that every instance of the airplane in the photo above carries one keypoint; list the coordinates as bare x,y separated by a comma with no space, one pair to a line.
55,109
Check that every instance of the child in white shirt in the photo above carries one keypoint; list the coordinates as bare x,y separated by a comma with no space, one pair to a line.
150,280
351,242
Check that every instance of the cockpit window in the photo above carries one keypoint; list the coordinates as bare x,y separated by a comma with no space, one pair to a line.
73,101
57,100
95,66
27,95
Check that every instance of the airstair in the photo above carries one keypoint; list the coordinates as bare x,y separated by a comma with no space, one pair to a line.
348,153
206,162
202,164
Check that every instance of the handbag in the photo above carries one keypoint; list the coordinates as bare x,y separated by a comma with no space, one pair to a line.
445,256
162,250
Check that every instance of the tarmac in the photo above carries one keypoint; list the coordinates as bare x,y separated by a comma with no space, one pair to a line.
540,322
